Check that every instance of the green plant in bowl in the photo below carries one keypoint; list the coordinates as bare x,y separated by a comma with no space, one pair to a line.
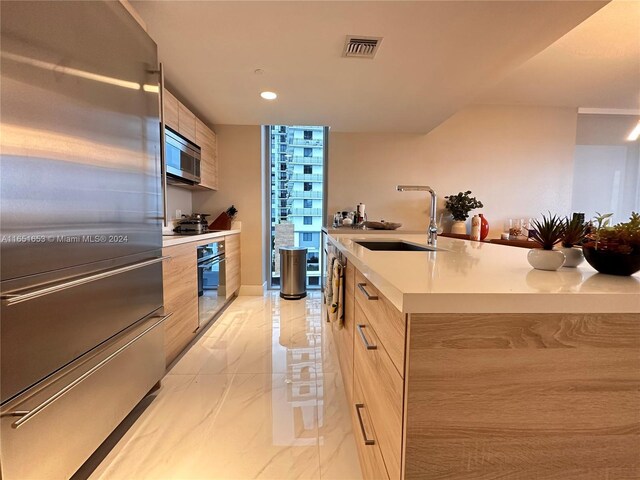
614,250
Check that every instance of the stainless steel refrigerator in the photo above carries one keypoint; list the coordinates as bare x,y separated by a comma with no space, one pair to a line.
80,223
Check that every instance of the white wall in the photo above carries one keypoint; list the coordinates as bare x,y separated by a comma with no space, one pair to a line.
240,180
178,199
517,160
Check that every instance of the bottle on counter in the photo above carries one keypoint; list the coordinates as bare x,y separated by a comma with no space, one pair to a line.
475,228
337,220
360,215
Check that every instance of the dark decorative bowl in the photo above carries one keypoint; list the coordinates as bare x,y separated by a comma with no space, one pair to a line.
612,263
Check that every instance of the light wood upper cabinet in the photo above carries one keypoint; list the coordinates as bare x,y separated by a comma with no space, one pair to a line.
206,140
180,283
186,123
178,117
170,110
232,264
182,120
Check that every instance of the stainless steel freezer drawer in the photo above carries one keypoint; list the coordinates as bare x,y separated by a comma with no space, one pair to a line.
46,327
50,431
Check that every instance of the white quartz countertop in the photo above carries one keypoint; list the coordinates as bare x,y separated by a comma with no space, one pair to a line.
168,241
479,277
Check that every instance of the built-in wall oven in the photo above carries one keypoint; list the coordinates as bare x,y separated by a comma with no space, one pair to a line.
211,280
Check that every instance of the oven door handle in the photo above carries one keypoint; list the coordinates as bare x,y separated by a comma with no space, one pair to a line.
210,263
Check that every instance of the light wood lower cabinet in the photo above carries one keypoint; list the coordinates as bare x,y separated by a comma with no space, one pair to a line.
468,396
523,396
373,385
369,453
232,264
343,334
383,391
180,284
387,321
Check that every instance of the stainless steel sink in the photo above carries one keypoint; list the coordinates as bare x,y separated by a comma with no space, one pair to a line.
394,246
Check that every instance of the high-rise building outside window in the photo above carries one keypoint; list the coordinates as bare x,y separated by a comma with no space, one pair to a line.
296,195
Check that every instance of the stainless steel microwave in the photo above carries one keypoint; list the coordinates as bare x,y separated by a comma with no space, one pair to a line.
182,159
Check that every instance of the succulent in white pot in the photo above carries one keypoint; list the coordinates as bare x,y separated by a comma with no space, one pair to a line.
547,233
573,235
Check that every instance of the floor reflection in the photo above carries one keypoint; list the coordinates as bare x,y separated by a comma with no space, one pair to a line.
258,395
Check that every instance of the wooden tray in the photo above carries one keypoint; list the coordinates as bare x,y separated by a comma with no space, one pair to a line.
382,225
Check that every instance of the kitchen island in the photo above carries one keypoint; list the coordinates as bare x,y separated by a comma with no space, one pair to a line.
465,363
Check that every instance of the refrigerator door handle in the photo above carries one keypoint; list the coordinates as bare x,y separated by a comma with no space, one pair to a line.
12,299
163,160
26,415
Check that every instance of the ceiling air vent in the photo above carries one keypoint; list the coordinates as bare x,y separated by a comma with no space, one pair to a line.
361,47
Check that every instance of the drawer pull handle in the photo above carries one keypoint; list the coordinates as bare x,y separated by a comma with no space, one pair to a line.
368,346
367,294
367,441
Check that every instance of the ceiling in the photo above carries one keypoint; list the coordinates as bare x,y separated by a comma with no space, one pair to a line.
596,65
436,56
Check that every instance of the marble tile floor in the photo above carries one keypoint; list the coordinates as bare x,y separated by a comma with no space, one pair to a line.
259,395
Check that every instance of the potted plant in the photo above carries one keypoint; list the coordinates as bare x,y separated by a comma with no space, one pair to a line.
614,250
574,233
547,233
460,205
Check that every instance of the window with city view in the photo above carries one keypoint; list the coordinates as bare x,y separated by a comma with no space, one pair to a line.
297,166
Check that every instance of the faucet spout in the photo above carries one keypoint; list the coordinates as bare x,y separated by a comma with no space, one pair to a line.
432,231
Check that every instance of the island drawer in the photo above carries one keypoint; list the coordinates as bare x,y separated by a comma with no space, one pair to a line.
382,389
368,447
386,320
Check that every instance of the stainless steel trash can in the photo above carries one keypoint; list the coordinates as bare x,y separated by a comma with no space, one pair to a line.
293,272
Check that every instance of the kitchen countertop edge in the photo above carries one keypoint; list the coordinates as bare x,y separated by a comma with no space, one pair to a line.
495,302
179,240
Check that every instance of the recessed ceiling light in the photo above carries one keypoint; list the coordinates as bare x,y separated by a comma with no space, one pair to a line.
269,95
635,133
